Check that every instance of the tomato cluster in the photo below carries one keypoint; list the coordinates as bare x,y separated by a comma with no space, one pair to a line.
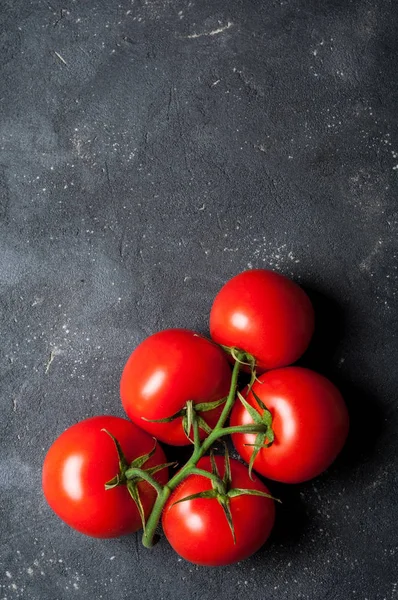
107,476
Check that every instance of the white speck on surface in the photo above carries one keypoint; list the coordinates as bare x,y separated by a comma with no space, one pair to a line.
365,264
210,33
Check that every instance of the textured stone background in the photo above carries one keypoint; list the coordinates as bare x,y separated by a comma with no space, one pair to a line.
149,151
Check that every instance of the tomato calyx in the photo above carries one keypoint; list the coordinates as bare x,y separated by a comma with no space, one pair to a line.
190,415
264,438
222,489
239,355
243,358
131,474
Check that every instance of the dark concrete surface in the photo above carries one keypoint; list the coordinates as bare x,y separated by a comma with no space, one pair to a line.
149,151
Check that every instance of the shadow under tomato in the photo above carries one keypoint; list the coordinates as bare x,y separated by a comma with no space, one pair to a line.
330,321
366,425
177,454
366,413
291,519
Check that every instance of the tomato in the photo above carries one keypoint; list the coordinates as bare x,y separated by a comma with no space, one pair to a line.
198,529
82,460
309,419
264,314
165,371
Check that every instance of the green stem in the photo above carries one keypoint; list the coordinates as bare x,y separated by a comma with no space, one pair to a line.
203,473
141,474
190,466
199,450
231,396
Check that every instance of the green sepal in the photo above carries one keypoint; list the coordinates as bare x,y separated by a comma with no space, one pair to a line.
260,419
240,359
253,373
186,430
134,493
203,425
261,404
189,419
206,406
246,492
205,494
214,468
227,473
114,482
255,415
119,479
266,418
260,438
197,407
255,445
224,501
153,470
179,413
217,485
222,486
123,464
141,460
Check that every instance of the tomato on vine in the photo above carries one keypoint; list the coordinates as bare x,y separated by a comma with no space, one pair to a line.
107,476
307,419
219,524
265,314
84,458
165,372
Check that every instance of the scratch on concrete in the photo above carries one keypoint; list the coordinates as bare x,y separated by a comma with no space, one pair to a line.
53,354
193,36
61,58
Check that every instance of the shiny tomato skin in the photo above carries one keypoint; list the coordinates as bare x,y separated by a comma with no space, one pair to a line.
165,371
310,423
79,463
265,314
198,529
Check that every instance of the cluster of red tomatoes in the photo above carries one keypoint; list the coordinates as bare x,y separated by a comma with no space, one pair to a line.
108,476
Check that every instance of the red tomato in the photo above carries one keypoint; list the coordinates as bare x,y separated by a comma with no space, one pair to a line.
309,419
264,314
198,530
164,372
82,460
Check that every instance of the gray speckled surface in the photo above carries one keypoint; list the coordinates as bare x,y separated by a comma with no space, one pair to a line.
149,151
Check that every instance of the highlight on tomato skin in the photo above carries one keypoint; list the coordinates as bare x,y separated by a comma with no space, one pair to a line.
265,314
198,529
310,424
79,463
165,371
